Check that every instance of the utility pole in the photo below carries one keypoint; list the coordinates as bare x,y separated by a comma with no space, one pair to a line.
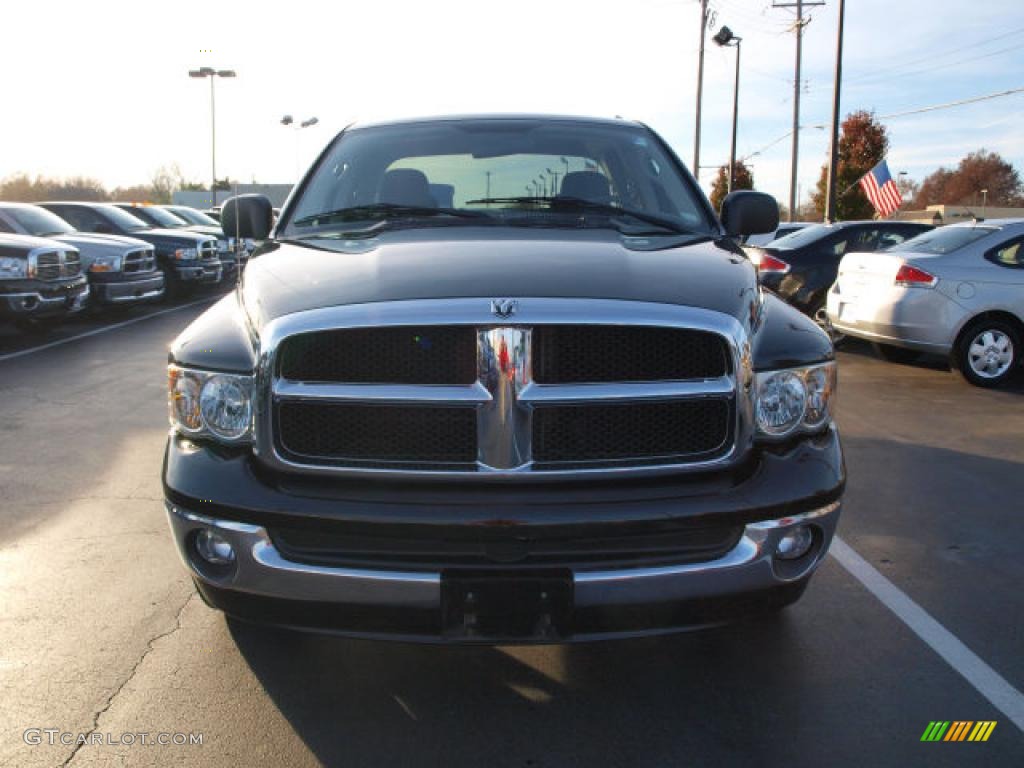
799,29
700,87
833,159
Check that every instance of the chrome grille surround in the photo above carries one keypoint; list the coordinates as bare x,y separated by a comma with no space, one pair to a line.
141,260
54,265
208,249
504,403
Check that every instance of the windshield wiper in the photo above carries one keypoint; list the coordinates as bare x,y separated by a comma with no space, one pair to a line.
386,211
563,202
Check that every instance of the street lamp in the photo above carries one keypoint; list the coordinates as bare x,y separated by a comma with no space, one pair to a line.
725,38
984,202
288,120
213,74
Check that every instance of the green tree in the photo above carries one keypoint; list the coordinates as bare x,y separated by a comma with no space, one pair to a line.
744,179
862,144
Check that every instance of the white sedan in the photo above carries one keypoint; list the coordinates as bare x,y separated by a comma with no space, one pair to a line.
956,290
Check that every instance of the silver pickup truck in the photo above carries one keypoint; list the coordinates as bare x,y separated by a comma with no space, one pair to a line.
121,270
39,278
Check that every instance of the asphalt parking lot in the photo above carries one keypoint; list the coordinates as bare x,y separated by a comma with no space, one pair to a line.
102,632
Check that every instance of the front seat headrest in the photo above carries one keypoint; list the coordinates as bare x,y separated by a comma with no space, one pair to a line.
406,186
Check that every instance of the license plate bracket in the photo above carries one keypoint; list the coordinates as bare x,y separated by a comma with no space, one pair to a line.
507,605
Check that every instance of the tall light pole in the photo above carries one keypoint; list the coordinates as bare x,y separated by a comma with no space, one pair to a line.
833,157
213,74
725,38
288,120
700,88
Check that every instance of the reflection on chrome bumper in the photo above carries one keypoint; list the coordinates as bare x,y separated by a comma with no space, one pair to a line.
130,291
260,569
33,303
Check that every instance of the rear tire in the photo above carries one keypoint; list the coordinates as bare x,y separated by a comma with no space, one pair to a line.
893,354
989,353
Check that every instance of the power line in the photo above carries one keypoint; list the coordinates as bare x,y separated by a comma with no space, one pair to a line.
884,78
918,111
934,55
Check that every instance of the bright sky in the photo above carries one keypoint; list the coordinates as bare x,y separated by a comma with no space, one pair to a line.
101,88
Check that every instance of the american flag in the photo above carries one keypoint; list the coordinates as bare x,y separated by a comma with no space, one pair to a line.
881,189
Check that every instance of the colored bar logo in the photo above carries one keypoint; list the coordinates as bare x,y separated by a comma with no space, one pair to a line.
958,730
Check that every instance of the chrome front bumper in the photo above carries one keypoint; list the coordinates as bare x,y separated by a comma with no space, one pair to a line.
130,290
32,303
750,568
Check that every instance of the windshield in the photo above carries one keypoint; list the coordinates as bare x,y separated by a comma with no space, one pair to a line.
193,216
802,237
944,240
500,171
158,217
39,221
122,219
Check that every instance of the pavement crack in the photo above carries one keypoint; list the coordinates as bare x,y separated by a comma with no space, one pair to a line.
87,736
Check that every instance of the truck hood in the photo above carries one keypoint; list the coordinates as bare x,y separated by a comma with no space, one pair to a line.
89,241
438,263
175,237
206,229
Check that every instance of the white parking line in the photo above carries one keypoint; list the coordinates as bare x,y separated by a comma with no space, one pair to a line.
986,680
104,329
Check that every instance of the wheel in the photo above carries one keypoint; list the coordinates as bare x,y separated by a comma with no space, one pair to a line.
988,353
172,287
896,354
821,318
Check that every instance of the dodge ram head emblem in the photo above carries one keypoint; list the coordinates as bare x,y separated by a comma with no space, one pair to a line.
504,308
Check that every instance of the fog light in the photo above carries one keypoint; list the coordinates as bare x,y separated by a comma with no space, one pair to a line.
214,548
794,543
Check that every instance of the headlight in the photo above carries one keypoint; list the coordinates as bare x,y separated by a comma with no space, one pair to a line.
796,399
13,267
106,264
186,254
209,404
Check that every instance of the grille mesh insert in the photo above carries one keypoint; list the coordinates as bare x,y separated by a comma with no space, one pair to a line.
398,355
335,432
605,353
635,431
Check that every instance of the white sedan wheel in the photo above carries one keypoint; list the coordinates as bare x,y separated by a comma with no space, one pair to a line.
990,354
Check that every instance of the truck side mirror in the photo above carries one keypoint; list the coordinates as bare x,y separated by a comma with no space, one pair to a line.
749,213
249,216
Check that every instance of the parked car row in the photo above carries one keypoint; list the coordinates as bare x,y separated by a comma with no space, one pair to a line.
57,257
957,291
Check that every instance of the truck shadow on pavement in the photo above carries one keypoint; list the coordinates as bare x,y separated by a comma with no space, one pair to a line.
356,702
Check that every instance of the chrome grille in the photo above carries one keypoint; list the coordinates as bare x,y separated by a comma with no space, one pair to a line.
208,250
57,265
343,392
143,260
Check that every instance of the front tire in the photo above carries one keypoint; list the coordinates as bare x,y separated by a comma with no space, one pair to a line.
989,353
896,354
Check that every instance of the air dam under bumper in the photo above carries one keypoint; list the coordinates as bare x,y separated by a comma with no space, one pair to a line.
264,587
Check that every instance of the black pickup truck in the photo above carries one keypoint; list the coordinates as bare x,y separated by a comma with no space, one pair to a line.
185,258
554,405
